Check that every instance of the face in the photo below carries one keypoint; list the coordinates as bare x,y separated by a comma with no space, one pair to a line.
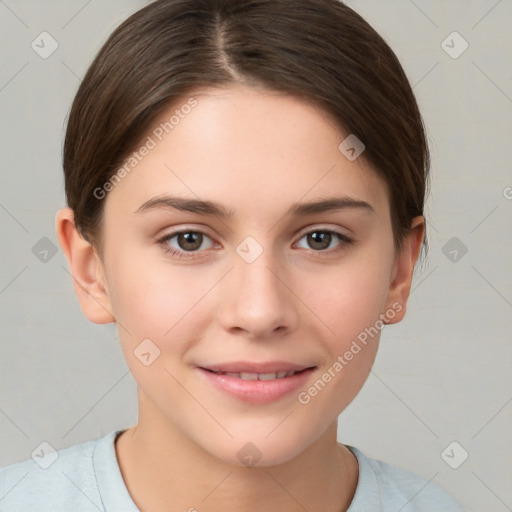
260,285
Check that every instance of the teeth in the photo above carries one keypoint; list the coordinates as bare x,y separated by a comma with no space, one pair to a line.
259,376
267,376
249,376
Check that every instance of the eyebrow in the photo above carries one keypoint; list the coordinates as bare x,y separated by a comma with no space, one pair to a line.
213,208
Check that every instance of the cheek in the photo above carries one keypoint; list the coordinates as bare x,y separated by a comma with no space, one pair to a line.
351,309
156,303
148,296
348,299
159,301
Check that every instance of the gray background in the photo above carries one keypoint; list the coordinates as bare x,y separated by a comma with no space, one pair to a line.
442,375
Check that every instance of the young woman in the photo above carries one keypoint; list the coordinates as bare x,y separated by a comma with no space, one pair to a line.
245,182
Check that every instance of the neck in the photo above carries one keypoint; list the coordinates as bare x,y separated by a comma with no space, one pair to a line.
165,471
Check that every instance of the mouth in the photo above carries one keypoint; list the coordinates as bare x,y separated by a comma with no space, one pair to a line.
256,383
258,376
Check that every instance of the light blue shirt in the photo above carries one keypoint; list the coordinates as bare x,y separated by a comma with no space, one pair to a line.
86,478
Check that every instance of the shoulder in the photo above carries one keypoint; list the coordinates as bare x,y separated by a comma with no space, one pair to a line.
53,480
383,487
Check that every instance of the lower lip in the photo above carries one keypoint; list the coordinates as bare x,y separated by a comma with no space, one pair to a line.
257,391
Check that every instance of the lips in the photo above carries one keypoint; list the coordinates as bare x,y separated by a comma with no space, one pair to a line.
257,383
257,371
257,376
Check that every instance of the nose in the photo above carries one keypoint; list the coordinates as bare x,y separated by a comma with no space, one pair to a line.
256,298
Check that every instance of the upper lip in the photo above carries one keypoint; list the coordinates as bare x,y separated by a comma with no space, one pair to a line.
252,367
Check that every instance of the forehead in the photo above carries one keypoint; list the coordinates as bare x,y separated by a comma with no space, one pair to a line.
242,146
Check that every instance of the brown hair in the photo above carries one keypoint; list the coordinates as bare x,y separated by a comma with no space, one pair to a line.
319,50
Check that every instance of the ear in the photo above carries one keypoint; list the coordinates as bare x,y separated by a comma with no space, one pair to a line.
403,268
86,270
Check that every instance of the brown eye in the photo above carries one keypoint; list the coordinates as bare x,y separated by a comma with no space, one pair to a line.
190,240
322,239
319,240
182,242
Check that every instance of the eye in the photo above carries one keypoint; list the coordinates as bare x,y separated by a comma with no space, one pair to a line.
188,241
320,240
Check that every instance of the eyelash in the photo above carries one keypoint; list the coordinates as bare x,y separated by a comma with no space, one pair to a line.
344,240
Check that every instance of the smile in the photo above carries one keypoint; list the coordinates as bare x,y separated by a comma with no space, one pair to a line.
267,385
258,376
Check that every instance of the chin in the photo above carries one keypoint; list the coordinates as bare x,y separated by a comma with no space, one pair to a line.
259,451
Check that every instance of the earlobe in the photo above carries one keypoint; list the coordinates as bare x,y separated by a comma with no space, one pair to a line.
86,270
401,279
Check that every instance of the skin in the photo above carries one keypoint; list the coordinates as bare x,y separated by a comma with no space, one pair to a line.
256,152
